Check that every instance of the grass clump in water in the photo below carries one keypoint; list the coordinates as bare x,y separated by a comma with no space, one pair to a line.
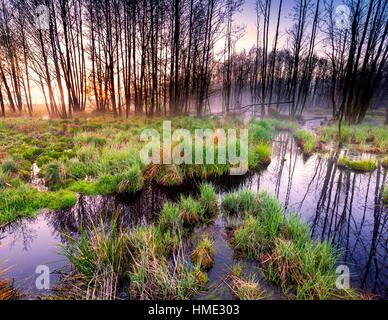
170,218
151,276
306,141
385,194
100,257
55,174
303,268
357,165
190,211
208,200
245,289
239,203
203,255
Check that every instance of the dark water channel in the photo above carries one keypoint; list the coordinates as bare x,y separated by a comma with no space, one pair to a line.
341,206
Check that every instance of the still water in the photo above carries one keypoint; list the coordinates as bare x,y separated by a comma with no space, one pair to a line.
341,206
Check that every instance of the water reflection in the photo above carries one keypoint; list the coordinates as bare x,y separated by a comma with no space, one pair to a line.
341,206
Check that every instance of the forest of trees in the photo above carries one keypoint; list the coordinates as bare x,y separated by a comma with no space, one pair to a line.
159,57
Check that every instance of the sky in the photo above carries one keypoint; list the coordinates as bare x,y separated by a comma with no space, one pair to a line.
247,17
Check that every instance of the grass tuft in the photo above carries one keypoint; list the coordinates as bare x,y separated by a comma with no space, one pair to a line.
203,255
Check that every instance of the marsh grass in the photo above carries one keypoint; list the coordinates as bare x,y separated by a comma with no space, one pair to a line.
384,163
203,254
385,194
25,201
99,255
239,203
170,218
208,200
302,267
306,141
152,276
367,165
244,288
365,138
190,211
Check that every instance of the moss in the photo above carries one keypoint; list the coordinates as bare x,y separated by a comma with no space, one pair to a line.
385,194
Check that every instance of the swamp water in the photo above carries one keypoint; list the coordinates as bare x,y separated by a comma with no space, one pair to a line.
342,206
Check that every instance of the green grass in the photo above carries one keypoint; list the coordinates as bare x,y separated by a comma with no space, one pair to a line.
239,203
208,200
306,141
385,194
203,254
24,201
365,137
190,211
302,267
245,289
100,256
151,276
357,165
170,218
